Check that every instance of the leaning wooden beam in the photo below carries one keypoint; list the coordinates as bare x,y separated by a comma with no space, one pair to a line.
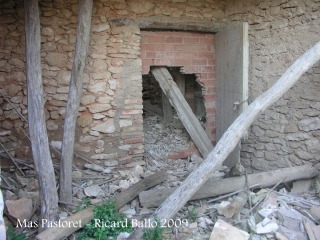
75,92
56,233
214,187
188,119
36,115
232,136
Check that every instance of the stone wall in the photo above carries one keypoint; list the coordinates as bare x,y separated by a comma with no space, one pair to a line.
110,118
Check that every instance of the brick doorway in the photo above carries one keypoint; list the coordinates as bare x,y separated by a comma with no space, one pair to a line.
186,54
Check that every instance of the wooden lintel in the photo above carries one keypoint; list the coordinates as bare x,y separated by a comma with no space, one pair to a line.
188,119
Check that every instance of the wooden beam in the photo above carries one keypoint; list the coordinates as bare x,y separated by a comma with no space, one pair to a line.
75,93
167,109
36,116
183,24
214,187
188,119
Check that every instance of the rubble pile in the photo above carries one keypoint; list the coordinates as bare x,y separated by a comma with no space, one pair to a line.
162,138
285,211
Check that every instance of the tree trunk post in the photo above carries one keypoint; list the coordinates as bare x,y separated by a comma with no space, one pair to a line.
36,116
75,92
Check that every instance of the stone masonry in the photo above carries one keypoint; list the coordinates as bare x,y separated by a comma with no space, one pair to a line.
109,125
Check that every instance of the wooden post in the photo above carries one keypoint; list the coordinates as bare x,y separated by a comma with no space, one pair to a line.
188,119
167,109
169,208
180,80
36,116
75,92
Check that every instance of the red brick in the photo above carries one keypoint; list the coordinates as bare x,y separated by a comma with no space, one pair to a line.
135,140
151,55
163,62
209,97
199,61
130,111
181,62
211,75
174,39
145,69
164,47
181,34
133,101
196,34
191,40
185,153
211,61
147,62
210,110
206,41
185,55
205,55
148,47
210,90
207,69
154,39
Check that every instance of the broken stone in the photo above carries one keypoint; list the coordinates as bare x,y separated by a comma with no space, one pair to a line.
84,120
123,236
225,231
113,188
57,60
315,212
5,133
125,123
133,180
107,170
280,236
77,174
93,190
94,167
56,144
104,156
310,124
111,163
20,209
63,215
124,184
51,125
268,226
137,171
105,127
129,212
301,186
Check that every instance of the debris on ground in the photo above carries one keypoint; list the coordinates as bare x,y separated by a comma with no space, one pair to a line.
285,211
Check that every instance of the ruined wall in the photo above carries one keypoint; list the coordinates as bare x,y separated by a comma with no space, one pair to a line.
288,133
110,120
194,53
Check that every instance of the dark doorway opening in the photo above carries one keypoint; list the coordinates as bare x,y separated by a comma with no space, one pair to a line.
165,135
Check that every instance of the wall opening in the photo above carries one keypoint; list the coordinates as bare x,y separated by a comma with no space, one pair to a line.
165,136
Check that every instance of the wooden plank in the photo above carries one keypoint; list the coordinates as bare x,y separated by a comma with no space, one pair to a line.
214,187
181,23
189,120
232,80
36,116
167,109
